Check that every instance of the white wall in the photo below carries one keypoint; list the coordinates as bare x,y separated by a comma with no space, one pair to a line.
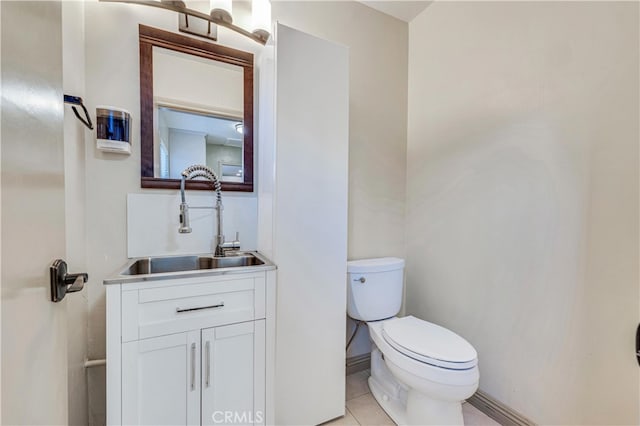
185,148
226,154
522,205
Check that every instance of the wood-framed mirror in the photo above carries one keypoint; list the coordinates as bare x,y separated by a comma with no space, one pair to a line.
196,107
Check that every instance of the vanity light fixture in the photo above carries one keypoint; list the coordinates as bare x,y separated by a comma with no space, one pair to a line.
204,25
221,9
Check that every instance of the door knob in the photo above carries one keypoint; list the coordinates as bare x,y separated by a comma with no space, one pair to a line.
62,282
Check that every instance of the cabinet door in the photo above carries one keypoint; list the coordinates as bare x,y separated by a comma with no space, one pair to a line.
161,380
229,374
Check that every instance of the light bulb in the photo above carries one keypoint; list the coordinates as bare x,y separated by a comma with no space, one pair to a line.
261,18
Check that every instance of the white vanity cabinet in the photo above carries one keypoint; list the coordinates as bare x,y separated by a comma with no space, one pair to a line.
160,380
233,377
190,351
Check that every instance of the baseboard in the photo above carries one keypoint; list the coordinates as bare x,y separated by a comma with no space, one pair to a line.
358,363
498,411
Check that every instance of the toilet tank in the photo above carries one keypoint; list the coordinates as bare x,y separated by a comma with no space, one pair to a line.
374,288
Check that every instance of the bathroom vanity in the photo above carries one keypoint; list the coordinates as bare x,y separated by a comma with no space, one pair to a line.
190,340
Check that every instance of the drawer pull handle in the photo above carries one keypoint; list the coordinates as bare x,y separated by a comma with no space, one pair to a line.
199,308
207,347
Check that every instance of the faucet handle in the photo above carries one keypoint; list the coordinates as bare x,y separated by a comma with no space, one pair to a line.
232,245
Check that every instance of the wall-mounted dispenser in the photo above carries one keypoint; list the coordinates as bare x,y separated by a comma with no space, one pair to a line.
113,129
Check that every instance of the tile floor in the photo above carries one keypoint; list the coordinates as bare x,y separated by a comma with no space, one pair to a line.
362,408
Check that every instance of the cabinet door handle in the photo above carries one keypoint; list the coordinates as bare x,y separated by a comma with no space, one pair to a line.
199,308
207,351
193,366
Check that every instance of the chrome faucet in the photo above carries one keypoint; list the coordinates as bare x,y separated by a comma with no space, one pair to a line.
192,172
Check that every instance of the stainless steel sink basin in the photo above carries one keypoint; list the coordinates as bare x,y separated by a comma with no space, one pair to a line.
159,265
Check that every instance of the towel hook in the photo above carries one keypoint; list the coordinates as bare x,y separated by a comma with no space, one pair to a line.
77,100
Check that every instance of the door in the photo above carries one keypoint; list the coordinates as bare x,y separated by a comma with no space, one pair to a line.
34,337
161,380
232,365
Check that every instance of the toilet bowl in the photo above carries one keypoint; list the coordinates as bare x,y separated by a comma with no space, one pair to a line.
416,387
420,372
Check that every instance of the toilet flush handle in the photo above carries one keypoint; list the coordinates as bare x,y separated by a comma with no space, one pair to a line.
361,279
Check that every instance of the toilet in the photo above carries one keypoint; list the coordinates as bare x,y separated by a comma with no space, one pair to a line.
420,372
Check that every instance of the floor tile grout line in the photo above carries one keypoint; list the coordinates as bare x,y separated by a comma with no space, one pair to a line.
360,378
352,415
358,395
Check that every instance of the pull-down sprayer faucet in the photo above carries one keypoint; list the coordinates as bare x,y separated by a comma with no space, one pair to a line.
193,172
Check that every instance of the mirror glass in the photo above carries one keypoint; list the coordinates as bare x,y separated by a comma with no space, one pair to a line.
198,106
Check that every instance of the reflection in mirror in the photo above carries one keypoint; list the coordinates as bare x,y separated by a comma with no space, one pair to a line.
196,107
185,138
199,116
230,172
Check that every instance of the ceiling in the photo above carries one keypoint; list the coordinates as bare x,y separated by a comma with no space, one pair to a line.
403,10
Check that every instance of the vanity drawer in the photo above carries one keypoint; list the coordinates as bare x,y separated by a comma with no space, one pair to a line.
174,309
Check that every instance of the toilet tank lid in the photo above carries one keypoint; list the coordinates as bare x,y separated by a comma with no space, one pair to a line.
380,264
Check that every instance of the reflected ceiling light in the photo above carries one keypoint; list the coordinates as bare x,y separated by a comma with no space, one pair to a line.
240,128
204,25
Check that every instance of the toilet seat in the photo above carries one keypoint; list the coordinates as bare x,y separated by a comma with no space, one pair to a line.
429,343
